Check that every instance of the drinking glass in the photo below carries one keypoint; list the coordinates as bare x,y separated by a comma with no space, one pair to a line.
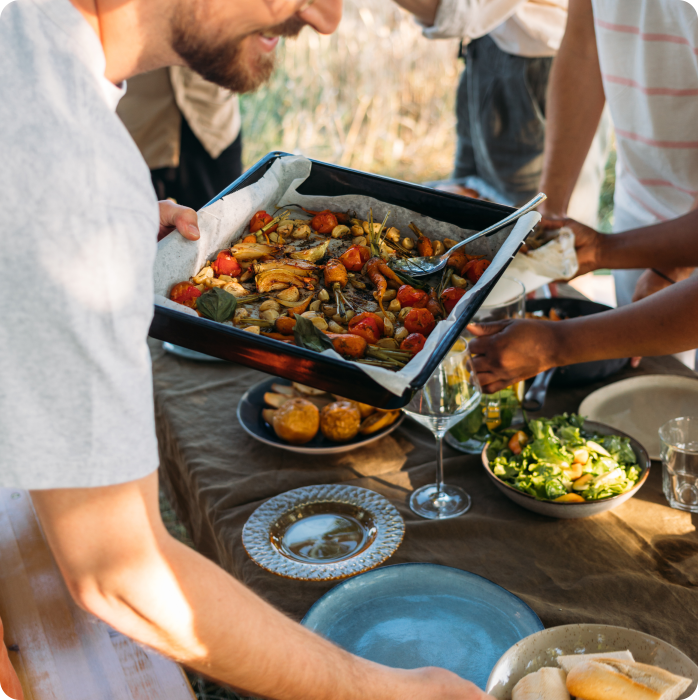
451,392
679,450
507,300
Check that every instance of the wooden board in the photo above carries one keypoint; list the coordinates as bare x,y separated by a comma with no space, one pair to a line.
63,652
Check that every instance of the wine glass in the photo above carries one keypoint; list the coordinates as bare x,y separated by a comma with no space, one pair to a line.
507,300
450,393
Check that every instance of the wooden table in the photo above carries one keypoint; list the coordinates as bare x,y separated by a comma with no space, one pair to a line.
636,566
59,651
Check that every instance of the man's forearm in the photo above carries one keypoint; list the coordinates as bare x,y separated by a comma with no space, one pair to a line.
121,565
662,324
574,105
668,244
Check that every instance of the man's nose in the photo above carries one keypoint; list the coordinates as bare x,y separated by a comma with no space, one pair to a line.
323,15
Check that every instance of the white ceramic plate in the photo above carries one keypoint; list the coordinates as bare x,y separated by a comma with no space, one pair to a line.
543,648
640,406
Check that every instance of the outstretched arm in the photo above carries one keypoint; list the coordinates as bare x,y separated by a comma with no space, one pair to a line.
574,106
669,244
120,564
510,351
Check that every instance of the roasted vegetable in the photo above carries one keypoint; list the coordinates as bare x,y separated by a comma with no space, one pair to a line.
324,221
355,258
311,254
475,269
302,268
253,251
377,272
185,293
280,279
450,297
413,343
409,296
226,264
336,277
260,220
348,344
420,321
378,421
285,325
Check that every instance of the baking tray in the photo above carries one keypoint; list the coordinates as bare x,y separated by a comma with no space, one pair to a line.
306,366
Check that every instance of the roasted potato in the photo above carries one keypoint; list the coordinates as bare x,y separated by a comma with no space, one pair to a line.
377,421
297,421
340,421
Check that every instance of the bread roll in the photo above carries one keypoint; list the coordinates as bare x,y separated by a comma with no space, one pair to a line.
545,684
567,663
613,679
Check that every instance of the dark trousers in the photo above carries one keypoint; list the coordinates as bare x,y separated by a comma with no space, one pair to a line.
501,119
199,178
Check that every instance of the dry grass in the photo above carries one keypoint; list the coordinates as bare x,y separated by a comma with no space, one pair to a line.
374,96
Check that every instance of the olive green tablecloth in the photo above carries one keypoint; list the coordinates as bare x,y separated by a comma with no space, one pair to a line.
636,566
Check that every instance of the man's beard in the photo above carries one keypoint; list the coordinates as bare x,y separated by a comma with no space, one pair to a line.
222,60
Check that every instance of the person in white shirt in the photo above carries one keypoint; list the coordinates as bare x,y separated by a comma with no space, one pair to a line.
508,46
79,228
639,57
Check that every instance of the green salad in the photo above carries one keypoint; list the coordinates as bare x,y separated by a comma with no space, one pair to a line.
558,460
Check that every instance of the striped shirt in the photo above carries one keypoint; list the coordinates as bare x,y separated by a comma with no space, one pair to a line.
648,53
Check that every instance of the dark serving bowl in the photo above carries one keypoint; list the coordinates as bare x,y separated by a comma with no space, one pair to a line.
575,510
571,375
306,366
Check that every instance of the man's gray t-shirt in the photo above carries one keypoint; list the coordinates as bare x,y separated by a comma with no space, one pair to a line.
78,227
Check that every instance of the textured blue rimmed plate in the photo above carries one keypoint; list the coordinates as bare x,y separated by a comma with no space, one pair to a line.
415,615
250,417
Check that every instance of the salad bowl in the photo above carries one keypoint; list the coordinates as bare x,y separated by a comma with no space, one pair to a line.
575,510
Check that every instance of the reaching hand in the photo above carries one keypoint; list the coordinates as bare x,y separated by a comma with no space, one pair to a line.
587,244
438,684
507,352
175,216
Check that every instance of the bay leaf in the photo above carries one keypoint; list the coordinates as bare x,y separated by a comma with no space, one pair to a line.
308,336
217,304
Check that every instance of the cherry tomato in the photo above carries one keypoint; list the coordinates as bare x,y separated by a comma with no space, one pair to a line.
259,220
324,221
450,297
226,264
185,293
409,296
413,343
370,316
367,329
355,258
475,269
420,321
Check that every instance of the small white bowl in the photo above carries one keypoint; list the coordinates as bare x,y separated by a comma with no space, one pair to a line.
575,510
542,649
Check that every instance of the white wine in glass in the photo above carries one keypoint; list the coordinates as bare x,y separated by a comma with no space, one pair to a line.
451,392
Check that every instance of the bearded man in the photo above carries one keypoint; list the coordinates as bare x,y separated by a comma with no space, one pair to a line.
80,222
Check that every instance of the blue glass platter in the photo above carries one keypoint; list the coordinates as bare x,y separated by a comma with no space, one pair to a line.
415,615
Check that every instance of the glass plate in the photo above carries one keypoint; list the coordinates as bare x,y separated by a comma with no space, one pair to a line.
320,533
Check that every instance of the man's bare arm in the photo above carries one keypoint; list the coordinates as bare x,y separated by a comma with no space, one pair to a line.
574,106
662,324
423,10
120,564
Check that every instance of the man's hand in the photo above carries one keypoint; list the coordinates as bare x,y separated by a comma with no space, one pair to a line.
175,216
438,684
588,245
507,352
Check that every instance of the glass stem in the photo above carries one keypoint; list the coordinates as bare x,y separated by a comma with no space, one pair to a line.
439,464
